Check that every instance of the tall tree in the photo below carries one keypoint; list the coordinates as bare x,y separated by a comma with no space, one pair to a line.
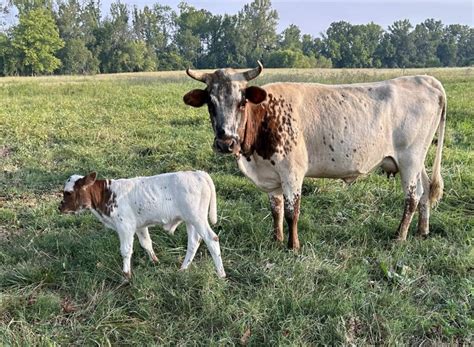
76,57
290,38
36,41
257,25
402,42
193,34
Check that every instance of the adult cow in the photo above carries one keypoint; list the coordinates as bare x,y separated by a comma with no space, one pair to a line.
283,132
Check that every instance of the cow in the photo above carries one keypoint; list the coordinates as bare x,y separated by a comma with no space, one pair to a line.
283,132
130,206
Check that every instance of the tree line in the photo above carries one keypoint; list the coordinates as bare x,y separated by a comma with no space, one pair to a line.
72,37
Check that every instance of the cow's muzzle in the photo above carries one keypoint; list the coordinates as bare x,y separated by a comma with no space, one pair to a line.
227,146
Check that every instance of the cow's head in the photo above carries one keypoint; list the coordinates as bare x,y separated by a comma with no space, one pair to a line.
226,95
76,196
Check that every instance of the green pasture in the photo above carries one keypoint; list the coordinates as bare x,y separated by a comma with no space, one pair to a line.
60,276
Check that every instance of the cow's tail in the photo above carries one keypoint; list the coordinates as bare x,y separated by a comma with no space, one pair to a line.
213,201
437,185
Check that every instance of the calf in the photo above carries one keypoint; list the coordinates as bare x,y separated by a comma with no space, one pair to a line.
130,206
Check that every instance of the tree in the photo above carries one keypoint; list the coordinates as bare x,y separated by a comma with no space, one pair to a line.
36,40
426,38
290,38
257,23
402,43
76,57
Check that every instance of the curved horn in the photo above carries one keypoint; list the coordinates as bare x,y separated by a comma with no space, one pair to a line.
251,74
198,76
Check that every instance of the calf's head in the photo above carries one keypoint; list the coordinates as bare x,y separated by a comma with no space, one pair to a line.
76,196
226,95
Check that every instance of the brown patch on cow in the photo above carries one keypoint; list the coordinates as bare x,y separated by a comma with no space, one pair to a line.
269,128
410,208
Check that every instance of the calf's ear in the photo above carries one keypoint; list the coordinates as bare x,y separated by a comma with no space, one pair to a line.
90,179
255,94
196,98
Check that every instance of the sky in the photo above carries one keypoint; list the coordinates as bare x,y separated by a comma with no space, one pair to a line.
314,16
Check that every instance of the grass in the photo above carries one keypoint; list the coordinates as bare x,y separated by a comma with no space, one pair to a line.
60,276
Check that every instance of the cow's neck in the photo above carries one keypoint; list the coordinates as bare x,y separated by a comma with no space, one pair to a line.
102,199
254,117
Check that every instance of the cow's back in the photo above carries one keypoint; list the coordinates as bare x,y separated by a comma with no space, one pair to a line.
346,130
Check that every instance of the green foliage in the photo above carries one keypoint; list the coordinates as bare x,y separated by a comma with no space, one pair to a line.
35,41
351,284
159,38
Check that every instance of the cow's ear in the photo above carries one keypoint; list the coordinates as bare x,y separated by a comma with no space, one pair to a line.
196,98
255,94
89,179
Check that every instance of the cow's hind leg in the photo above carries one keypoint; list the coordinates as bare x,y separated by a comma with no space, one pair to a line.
276,203
413,188
424,205
145,242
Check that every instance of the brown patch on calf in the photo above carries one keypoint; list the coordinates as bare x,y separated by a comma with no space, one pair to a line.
90,193
103,200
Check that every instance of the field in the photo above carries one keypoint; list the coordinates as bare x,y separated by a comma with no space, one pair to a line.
60,276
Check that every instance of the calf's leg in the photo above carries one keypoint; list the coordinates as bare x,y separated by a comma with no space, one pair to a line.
212,243
276,203
126,248
193,244
145,242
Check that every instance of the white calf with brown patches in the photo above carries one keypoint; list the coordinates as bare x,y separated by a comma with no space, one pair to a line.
130,206
283,132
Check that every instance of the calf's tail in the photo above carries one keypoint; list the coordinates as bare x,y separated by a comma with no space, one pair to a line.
213,201
437,185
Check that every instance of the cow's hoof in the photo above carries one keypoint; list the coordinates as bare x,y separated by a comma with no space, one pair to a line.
154,259
295,248
423,233
400,240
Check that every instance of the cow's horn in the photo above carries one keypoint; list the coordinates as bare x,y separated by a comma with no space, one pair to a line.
198,76
251,74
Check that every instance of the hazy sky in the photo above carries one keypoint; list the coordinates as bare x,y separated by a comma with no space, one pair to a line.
314,16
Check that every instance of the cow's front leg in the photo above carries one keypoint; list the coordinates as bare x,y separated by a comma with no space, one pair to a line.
276,203
292,197
292,213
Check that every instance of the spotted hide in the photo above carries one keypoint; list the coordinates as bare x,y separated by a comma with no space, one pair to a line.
130,206
283,132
